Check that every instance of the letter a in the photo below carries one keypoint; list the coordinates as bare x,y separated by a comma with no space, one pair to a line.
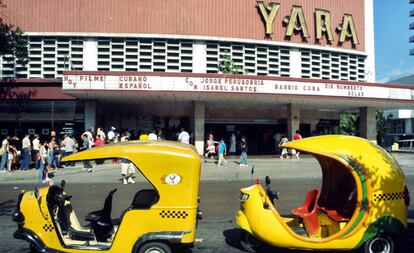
348,30
273,8
296,22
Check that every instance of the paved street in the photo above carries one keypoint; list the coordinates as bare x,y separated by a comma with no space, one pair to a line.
219,192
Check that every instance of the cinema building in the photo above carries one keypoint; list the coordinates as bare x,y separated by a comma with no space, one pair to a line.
295,64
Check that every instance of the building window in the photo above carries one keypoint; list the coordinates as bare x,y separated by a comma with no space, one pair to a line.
398,126
250,58
48,58
134,54
320,64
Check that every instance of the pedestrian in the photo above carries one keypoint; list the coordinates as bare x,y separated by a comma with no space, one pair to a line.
160,135
210,149
61,152
101,133
11,156
86,146
277,137
296,137
25,152
184,137
51,158
111,135
4,151
127,167
69,147
222,152
284,153
99,142
232,150
35,145
244,150
41,157
152,136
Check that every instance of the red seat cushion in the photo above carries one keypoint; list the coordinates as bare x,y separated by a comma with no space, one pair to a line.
309,212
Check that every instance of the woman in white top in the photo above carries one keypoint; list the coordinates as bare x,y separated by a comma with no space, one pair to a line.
285,153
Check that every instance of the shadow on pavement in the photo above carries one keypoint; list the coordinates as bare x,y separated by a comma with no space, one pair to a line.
232,238
7,207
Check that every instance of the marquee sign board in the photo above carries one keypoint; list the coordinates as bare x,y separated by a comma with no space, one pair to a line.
231,85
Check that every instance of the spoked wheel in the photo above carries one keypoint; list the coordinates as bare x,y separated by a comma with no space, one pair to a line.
155,247
249,242
380,244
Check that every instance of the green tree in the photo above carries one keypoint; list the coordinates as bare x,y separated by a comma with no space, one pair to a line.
13,42
348,125
227,66
384,124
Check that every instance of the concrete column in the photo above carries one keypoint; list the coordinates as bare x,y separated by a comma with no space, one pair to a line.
199,118
199,57
90,55
293,120
367,123
295,63
90,114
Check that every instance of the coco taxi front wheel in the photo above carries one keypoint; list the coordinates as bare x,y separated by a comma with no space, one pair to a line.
249,242
380,244
155,247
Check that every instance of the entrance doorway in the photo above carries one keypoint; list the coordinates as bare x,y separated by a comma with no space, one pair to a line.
259,136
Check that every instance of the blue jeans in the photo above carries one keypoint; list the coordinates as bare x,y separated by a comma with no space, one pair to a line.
3,162
37,162
52,158
41,171
243,158
26,159
70,163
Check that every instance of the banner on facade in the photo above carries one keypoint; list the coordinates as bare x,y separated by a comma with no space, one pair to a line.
231,85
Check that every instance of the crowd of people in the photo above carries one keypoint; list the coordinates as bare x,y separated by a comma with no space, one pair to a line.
46,155
218,149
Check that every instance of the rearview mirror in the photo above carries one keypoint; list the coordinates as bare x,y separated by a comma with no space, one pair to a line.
267,180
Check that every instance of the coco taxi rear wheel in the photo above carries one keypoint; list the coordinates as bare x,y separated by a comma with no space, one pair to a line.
380,244
155,247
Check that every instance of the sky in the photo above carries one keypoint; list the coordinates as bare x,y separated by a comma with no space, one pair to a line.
391,22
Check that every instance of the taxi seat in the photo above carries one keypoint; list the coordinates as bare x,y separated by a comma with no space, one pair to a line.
144,199
309,213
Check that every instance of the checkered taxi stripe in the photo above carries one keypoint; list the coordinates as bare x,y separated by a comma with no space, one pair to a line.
165,214
389,196
48,227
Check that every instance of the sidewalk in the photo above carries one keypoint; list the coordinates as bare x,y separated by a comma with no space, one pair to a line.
305,167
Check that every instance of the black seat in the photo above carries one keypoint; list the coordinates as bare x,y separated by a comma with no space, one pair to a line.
56,201
144,199
101,222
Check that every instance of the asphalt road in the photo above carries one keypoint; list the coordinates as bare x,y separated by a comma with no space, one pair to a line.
219,202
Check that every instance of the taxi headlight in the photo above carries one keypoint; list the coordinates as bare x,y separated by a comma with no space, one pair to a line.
244,196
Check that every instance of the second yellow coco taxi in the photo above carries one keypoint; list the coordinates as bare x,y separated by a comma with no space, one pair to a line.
157,219
362,202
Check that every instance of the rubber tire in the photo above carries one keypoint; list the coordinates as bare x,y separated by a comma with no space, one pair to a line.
33,248
155,247
381,241
248,242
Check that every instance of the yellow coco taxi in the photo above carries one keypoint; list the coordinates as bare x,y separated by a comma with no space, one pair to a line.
362,202
156,220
